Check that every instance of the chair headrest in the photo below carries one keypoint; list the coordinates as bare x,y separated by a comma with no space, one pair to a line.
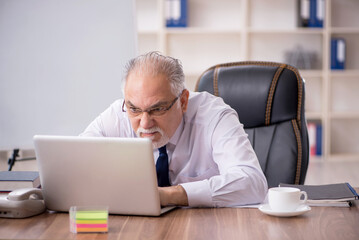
262,93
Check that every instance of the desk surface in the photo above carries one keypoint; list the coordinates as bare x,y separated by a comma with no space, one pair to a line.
208,223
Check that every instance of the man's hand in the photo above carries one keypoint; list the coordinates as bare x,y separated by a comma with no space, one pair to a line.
174,195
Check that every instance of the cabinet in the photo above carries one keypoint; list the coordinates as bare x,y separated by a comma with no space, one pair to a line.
239,30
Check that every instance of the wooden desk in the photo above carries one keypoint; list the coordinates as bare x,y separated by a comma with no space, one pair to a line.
185,223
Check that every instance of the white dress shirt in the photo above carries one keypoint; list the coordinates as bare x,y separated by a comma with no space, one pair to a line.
210,154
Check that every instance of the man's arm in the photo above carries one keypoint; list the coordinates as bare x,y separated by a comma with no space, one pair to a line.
240,180
174,195
110,123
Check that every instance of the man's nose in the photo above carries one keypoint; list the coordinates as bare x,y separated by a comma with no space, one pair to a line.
146,120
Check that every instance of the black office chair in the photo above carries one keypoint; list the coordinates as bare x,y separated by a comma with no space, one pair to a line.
269,100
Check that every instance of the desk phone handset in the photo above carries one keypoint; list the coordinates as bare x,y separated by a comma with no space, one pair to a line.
22,203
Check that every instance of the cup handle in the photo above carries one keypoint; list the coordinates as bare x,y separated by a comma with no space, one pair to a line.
305,197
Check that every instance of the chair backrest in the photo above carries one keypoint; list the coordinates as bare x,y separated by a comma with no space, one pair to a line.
269,100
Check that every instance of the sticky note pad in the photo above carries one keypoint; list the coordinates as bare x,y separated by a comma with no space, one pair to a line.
88,219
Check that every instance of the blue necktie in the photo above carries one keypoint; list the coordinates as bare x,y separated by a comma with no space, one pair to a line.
162,168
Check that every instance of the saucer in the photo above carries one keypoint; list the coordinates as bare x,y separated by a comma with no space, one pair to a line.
300,210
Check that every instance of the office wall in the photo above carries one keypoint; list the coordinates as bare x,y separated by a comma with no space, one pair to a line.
61,64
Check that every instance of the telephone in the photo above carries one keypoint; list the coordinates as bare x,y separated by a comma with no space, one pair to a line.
22,203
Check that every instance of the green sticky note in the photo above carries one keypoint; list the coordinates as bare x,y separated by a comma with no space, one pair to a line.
91,215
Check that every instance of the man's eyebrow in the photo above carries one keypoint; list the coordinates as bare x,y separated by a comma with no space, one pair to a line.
156,105
131,105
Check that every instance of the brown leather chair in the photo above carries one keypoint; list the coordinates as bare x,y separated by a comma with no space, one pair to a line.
269,100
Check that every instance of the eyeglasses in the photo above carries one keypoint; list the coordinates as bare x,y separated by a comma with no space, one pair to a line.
156,111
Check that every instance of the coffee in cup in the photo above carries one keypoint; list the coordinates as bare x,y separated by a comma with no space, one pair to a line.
286,199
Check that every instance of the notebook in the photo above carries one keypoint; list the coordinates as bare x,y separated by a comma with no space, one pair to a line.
12,180
91,171
336,195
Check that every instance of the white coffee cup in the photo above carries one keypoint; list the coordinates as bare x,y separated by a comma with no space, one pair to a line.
286,199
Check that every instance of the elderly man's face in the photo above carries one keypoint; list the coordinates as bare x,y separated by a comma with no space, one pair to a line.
146,99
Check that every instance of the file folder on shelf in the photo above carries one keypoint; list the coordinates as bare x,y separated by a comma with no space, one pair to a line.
176,13
315,135
338,53
303,13
316,13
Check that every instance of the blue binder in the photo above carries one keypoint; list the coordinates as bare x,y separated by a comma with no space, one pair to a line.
319,140
176,13
316,13
337,53
303,13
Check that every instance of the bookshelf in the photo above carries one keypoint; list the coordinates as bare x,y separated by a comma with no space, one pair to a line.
239,30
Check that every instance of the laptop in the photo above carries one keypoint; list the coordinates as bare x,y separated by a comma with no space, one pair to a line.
118,173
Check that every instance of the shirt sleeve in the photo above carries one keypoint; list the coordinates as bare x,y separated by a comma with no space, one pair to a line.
241,180
110,123
95,129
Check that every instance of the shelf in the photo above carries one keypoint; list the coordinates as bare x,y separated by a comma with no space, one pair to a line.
344,157
345,30
296,31
344,115
344,73
261,30
201,30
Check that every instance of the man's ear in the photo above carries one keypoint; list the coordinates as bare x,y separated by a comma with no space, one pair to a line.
184,100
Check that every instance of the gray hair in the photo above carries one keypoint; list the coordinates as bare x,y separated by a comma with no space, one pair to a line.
154,63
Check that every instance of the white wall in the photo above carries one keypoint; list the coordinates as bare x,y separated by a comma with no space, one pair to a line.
61,64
